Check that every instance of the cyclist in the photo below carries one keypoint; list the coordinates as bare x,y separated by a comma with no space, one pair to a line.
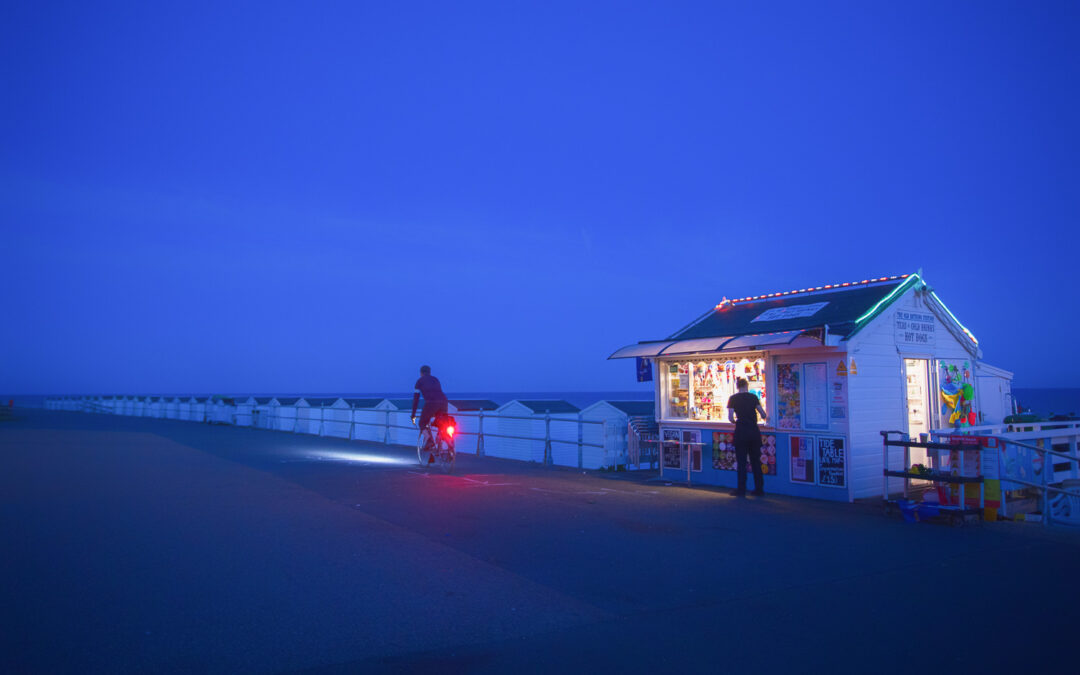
428,387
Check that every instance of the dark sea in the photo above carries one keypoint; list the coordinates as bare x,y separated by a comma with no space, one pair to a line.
1047,402
581,399
1042,401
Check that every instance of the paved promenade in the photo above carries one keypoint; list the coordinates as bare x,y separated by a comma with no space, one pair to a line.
156,545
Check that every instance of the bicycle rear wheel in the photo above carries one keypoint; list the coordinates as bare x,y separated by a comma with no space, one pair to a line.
444,456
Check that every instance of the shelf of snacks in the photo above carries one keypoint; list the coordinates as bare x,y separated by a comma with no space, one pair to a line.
699,389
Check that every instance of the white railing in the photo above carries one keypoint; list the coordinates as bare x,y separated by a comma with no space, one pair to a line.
1058,483
302,420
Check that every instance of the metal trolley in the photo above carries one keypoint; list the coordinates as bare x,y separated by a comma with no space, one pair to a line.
957,514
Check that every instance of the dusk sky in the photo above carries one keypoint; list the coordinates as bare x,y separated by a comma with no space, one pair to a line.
316,197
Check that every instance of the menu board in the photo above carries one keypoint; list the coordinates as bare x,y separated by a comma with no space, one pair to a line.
831,461
788,403
816,384
671,456
802,459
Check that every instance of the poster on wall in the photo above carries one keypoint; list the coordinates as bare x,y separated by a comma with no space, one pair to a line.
788,403
768,454
692,441
838,400
671,454
723,447
802,459
831,462
723,451
816,384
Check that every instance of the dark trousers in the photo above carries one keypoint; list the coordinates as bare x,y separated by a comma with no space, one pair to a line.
745,450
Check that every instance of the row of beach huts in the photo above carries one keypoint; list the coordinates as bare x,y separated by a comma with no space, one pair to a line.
602,435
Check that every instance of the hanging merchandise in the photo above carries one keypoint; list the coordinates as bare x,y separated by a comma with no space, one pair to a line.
699,390
957,394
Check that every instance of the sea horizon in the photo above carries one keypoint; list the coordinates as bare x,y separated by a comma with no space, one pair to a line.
1043,401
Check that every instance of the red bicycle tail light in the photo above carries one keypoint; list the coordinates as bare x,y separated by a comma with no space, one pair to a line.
450,431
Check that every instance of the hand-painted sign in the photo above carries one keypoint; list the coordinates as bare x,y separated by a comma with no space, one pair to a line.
795,312
914,328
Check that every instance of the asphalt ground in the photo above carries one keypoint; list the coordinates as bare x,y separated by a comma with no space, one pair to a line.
135,545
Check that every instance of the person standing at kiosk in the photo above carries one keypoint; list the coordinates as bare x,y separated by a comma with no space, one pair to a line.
744,409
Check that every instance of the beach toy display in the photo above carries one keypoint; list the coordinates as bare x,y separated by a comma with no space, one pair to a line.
957,395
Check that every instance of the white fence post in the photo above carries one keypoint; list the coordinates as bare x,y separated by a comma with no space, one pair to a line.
580,448
547,439
480,435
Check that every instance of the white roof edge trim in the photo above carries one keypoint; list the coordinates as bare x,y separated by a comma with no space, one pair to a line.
639,349
983,368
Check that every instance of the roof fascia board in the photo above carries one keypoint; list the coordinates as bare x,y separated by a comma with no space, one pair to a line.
869,315
958,330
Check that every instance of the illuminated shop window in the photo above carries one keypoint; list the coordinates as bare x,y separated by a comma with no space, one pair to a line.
699,389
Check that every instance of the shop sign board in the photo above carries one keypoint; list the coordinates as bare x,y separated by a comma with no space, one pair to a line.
914,329
832,461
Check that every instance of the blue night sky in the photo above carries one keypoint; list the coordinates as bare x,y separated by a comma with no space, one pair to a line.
317,197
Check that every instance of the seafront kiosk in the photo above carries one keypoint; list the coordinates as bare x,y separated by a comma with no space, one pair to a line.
833,366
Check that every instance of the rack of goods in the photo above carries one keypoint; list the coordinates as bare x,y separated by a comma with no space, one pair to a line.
938,480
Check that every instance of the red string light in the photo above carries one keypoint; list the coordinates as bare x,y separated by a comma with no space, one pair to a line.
726,304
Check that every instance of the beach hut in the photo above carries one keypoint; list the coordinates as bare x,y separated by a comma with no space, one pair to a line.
524,429
398,412
283,413
171,407
262,412
336,418
200,407
311,415
221,410
245,406
994,393
470,415
368,420
612,432
833,366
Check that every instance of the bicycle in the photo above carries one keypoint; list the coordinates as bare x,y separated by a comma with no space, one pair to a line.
435,444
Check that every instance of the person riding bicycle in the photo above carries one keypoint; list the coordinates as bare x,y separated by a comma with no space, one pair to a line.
435,402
